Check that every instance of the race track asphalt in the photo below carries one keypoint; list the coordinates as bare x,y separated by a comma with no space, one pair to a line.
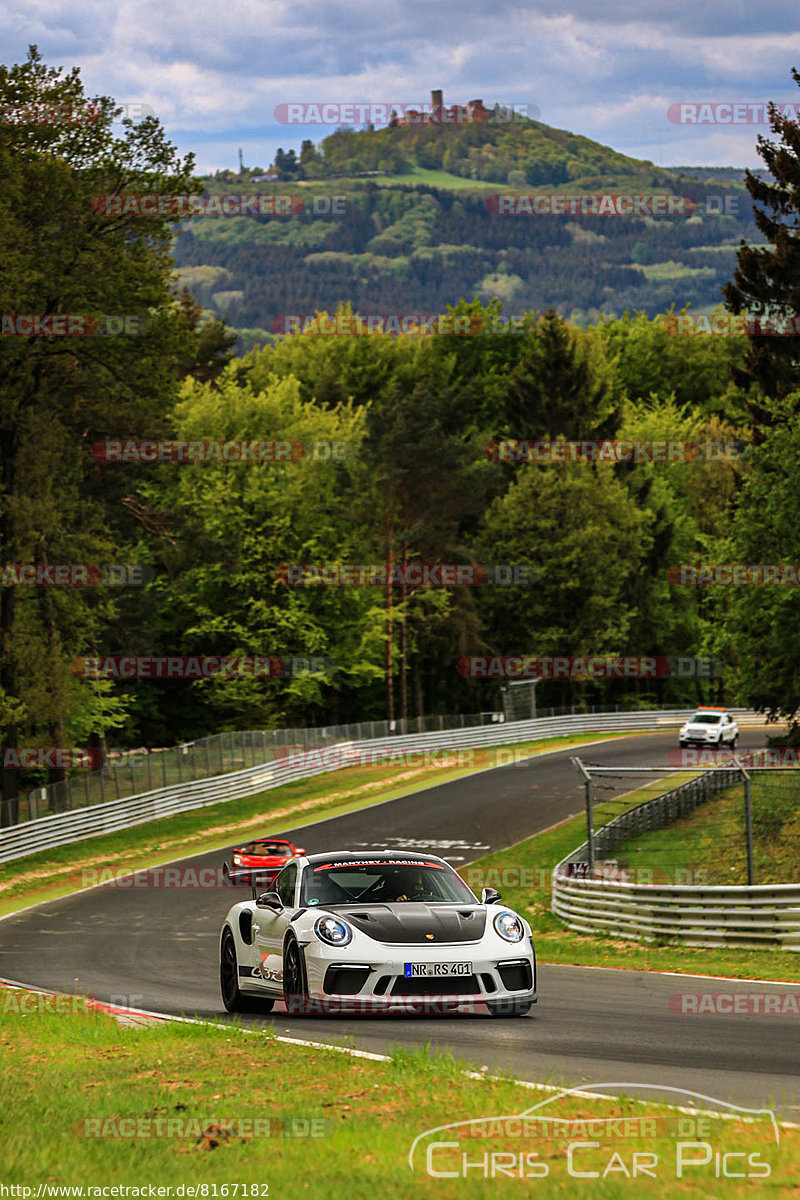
156,948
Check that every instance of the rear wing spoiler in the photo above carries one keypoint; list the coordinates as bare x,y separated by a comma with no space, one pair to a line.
257,878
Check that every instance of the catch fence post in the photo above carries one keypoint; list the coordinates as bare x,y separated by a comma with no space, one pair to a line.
587,783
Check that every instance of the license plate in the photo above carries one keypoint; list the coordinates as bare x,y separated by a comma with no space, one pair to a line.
444,970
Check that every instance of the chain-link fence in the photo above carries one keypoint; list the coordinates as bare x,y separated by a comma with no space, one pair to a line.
733,825
128,773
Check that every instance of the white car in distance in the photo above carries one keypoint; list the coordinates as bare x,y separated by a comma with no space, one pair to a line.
710,726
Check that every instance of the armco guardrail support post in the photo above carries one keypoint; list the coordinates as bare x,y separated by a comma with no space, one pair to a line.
748,819
587,783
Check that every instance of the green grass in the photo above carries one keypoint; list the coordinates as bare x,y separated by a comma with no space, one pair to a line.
522,875
437,179
57,872
222,1107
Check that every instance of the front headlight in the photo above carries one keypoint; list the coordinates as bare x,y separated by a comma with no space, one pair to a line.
509,927
237,860
332,931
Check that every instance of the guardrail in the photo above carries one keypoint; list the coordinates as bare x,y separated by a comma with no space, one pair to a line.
59,829
751,915
130,772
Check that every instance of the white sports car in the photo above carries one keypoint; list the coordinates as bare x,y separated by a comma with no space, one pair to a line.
372,932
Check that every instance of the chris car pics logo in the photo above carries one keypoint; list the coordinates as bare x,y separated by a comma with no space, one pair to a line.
694,1139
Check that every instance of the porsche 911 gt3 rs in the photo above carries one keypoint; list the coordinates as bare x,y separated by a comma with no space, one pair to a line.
364,932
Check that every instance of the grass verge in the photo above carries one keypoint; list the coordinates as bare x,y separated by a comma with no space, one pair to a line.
711,846
54,873
96,1105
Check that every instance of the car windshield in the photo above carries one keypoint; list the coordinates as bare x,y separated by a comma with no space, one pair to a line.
269,848
382,883
706,719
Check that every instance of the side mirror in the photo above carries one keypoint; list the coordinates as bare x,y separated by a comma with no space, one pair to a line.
270,900
299,850
489,896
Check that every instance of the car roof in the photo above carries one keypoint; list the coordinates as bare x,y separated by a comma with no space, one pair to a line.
375,856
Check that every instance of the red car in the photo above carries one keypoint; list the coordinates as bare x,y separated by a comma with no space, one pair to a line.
266,855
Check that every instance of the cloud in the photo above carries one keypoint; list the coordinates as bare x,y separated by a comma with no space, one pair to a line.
215,74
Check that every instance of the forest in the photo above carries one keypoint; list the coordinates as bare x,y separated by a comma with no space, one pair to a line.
378,451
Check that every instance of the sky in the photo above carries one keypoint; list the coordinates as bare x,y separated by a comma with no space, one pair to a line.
216,72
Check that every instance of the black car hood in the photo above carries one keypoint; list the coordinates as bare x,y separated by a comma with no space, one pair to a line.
411,922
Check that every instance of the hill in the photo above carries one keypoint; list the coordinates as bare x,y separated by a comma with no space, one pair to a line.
407,220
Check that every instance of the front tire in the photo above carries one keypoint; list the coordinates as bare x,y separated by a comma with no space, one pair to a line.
234,999
295,983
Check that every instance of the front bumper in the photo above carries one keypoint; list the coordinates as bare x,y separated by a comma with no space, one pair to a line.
362,986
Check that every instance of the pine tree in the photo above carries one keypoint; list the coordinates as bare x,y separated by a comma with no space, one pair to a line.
767,280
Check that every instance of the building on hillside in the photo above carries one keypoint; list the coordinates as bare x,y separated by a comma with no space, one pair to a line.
455,114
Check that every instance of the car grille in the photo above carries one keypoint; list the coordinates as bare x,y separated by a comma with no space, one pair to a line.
459,985
516,977
345,981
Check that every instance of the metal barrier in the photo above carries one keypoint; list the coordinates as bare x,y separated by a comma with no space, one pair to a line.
130,772
765,915
61,829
